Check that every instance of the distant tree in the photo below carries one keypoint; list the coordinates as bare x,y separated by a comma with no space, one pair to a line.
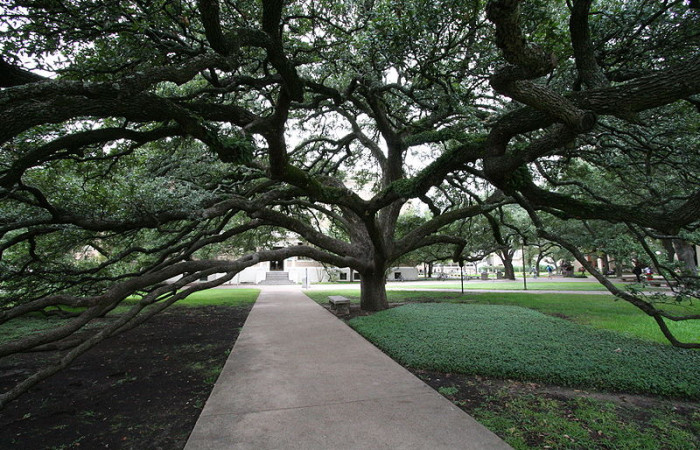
509,235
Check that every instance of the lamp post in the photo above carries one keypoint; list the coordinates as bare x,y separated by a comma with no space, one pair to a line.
524,270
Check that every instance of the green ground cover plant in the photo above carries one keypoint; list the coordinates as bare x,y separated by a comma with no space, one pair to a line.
519,343
598,311
584,423
527,415
25,326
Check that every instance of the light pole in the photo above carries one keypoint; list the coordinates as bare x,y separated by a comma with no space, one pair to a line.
524,270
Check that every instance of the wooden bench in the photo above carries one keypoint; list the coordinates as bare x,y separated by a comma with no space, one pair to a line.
662,282
657,282
339,304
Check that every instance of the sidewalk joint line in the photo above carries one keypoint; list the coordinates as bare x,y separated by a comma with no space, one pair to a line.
333,403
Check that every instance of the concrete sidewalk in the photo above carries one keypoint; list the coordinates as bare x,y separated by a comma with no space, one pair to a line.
298,378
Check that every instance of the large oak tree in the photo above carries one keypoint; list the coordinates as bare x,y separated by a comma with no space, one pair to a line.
160,133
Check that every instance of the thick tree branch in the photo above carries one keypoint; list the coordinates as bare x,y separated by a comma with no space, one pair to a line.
209,11
644,306
11,75
74,143
529,62
584,54
271,22
413,239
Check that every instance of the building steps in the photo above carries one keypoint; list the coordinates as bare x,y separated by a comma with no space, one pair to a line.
279,278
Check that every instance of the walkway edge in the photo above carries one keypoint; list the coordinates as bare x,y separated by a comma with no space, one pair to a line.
299,378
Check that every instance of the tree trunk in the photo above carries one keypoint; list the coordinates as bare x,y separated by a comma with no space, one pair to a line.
540,257
373,291
616,261
606,263
686,254
670,250
507,259
430,269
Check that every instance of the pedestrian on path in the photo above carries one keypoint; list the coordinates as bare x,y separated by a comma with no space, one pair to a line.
637,270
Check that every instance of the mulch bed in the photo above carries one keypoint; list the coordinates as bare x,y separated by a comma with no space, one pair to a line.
143,389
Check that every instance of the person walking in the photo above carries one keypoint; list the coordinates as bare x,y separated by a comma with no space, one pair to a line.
637,270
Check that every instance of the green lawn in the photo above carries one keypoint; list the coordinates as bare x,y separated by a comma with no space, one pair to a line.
34,322
522,344
220,297
598,311
603,312
518,285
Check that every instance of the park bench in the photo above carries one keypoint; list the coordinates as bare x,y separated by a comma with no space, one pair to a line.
339,304
657,282
661,282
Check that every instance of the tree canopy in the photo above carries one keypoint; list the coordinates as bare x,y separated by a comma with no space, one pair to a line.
161,133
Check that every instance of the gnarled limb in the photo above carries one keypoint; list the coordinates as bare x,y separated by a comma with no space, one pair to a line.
646,307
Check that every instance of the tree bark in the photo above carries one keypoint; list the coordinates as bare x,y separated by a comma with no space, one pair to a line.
670,250
540,257
616,260
507,259
373,291
606,263
686,255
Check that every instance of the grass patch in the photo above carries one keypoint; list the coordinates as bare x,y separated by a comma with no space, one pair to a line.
216,297
321,297
602,312
599,311
519,343
208,370
36,322
221,297
25,326
533,421
393,296
518,285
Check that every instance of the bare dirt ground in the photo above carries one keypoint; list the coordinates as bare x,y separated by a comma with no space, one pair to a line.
143,389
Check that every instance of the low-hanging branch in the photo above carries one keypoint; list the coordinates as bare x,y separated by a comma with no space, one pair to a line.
647,307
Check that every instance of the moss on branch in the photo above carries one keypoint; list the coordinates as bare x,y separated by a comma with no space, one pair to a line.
315,189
